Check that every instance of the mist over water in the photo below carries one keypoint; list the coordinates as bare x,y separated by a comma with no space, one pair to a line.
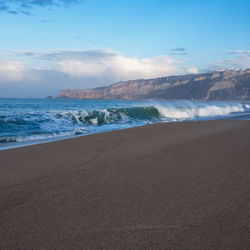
34,119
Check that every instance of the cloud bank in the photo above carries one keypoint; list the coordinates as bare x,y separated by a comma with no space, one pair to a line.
50,71
11,71
238,52
81,69
238,59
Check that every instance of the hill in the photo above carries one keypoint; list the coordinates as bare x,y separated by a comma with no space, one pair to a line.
218,85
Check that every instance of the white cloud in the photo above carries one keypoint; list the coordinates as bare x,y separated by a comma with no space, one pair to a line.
101,63
238,52
11,71
109,64
236,59
192,70
119,67
59,69
238,62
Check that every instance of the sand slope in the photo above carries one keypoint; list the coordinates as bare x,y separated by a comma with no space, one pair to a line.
174,185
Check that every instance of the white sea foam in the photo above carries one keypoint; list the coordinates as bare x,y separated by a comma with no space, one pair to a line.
35,137
26,125
94,121
192,110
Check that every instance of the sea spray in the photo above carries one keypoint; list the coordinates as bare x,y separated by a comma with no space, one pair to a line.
33,119
198,110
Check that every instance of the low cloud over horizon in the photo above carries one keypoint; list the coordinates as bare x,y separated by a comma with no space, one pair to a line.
238,59
42,73
79,69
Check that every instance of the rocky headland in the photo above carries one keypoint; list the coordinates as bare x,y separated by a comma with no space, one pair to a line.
218,85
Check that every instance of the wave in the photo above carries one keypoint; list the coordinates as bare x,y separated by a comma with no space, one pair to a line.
41,136
173,111
191,111
35,125
111,115
151,112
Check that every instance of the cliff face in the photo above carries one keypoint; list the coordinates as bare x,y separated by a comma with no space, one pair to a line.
219,85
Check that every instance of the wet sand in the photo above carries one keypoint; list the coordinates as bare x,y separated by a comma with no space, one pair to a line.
172,185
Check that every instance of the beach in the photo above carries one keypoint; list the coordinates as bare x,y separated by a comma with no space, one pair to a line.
169,185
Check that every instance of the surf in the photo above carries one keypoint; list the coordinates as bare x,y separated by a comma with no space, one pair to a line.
34,119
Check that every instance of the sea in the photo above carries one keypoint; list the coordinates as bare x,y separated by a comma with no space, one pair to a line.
31,121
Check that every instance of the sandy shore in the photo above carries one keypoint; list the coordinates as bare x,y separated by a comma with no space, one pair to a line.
174,185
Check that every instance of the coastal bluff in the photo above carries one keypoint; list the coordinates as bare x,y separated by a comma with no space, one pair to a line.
218,85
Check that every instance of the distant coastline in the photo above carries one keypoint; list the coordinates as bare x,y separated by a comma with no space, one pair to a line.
218,85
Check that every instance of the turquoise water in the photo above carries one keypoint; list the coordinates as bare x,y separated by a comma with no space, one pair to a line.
27,120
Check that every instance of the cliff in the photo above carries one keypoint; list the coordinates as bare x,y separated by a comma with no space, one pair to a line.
218,85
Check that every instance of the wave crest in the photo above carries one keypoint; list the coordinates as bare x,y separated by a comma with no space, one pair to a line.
39,124
191,111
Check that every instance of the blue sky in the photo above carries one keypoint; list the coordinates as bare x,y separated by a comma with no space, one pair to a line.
47,45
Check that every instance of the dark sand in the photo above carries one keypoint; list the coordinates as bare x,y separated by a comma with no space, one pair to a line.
173,185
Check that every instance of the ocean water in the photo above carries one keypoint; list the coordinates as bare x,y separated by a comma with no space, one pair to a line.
31,120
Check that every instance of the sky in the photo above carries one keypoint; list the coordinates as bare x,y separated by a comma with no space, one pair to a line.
49,45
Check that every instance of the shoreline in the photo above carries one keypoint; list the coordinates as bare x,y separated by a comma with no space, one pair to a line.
43,125
166,185
20,144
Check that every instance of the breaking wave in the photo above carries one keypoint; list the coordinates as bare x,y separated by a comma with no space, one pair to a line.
111,115
191,111
151,112
41,124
